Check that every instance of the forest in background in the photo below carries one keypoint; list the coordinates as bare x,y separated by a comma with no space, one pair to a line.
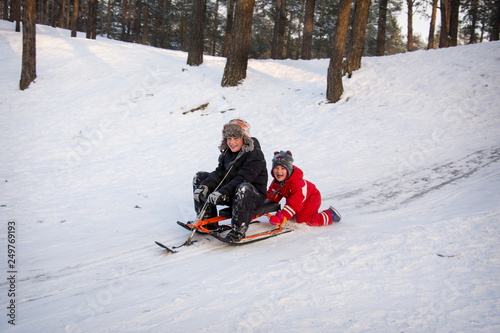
167,23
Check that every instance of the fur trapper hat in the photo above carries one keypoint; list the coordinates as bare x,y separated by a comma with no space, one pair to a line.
285,159
237,128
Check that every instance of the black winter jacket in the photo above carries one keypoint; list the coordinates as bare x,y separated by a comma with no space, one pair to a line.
248,167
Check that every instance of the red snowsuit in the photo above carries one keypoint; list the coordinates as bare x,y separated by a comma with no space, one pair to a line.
302,199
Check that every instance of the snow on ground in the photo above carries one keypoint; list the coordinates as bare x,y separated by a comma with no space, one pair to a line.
98,155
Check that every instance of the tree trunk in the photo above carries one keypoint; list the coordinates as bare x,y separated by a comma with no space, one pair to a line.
229,27
473,36
445,23
163,35
15,12
129,21
41,12
308,30
146,23
299,35
277,49
195,53
28,70
382,26
88,28
52,19
432,26
357,44
183,27
92,20
453,28
409,45
95,11
62,14
46,10
216,27
85,18
334,87
496,24
101,17
108,25
288,51
124,19
5,10
74,19
236,65
56,11
137,21
68,17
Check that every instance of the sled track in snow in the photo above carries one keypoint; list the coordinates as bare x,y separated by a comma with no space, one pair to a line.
100,272
389,194
460,169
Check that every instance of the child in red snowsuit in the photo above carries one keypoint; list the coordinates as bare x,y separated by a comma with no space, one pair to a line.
303,199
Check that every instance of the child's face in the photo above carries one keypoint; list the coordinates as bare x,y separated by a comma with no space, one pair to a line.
235,144
279,173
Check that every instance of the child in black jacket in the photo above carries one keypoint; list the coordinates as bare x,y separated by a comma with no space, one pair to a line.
239,181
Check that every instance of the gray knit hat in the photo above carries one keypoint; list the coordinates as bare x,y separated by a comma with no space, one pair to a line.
285,159
237,128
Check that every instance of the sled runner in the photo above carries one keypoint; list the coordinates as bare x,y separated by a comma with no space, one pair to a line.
211,227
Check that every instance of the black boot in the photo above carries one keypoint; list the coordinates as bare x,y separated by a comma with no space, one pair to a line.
235,236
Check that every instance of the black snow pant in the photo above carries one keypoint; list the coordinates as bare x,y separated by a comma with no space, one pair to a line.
245,200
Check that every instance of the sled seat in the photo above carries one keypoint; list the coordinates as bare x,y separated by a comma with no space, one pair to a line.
268,207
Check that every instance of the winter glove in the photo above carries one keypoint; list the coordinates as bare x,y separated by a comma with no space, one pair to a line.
200,192
279,218
215,197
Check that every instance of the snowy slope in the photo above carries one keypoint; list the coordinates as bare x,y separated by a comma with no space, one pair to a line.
98,155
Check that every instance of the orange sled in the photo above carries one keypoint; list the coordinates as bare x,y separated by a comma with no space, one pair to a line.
203,226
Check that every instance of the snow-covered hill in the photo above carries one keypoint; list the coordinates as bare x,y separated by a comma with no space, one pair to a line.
98,155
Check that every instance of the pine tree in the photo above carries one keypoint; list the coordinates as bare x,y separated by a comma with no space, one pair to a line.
496,22
432,26
382,26
235,70
334,87
28,70
277,47
74,19
357,44
308,30
195,54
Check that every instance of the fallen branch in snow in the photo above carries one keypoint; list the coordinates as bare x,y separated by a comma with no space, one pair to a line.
445,256
201,107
